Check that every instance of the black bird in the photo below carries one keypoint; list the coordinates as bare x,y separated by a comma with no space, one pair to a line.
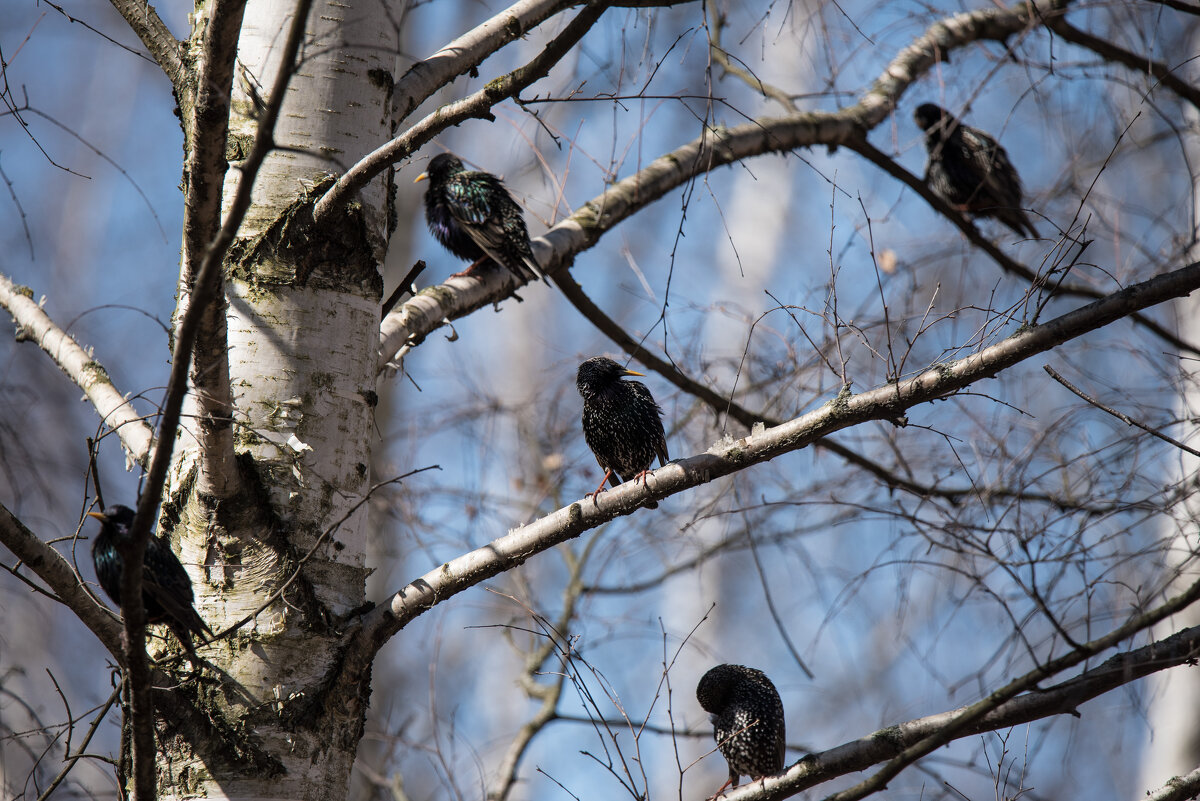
166,589
473,216
621,422
969,170
747,718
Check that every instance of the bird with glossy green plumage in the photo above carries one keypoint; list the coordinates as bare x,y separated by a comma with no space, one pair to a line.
166,589
474,217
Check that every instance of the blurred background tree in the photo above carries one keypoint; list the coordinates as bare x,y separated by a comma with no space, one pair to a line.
727,192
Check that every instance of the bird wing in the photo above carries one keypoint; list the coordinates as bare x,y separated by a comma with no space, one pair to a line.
167,583
493,220
1000,180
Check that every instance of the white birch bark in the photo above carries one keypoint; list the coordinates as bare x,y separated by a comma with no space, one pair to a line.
302,366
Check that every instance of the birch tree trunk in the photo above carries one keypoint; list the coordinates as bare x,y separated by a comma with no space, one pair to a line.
303,321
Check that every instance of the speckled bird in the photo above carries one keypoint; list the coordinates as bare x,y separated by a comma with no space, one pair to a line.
621,422
970,170
473,216
166,589
747,718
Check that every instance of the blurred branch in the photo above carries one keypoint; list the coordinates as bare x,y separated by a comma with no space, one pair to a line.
554,642
50,566
716,23
145,23
1004,707
1006,263
202,324
887,402
117,413
478,105
1124,418
80,752
1138,63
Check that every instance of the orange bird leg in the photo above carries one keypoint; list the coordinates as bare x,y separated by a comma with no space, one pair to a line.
467,271
599,489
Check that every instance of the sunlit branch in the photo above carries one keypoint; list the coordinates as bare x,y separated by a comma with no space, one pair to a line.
1060,699
1006,262
1178,788
144,21
468,51
116,412
724,404
478,104
888,402
714,148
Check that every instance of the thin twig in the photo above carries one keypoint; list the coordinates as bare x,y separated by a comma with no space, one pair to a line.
1119,415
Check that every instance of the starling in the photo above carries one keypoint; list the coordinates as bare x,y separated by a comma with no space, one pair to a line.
747,718
969,170
473,216
166,589
621,422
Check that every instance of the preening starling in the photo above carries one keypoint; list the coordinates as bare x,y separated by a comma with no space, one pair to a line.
621,422
969,170
166,589
747,718
473,216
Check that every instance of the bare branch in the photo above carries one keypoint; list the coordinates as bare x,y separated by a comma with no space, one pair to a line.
144,21
49,565
1061,699
1167,76
1178,788
206,122
1124,418
478,104
468,51
34,324
888,402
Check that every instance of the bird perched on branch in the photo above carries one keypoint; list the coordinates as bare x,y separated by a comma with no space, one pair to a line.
166,589
969,170
621,422
473,216
747,718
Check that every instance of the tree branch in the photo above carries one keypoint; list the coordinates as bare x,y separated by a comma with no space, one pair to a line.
478,104
50,566
1178,788
115,411
883,403
206,121
469,51
1061,699
145,23
1138,63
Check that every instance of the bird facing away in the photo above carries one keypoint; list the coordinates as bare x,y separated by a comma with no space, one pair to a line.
747,718
621,422
166,589
473,216
969,170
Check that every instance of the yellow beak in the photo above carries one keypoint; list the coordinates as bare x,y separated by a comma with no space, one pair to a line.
98,516
423,176
632,372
